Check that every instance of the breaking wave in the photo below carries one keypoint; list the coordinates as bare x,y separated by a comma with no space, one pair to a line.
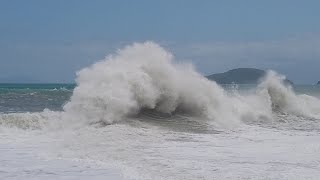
284,99
144,78
31,120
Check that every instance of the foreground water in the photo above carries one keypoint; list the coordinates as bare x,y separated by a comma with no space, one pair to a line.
137,115
151,146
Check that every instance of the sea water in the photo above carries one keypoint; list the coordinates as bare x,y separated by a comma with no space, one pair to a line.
138,115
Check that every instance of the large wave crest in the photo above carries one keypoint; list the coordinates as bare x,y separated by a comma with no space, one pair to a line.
144,77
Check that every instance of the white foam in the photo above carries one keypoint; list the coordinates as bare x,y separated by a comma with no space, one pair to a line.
144,75
283,98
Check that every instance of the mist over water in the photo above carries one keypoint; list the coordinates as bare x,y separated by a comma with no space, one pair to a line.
139,111
145,77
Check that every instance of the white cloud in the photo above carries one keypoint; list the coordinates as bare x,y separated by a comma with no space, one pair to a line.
298,57
289,56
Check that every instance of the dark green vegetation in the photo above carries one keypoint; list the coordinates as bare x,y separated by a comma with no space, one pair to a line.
240,76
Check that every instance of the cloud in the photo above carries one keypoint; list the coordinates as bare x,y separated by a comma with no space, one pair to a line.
290,48
297,54
296,57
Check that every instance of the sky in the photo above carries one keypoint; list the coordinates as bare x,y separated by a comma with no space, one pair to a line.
49,41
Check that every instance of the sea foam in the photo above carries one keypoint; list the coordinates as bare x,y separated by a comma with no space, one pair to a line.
144,76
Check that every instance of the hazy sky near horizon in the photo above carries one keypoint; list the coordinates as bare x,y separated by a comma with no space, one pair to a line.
48,41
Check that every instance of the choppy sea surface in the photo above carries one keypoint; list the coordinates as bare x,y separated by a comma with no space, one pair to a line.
150,146
139,115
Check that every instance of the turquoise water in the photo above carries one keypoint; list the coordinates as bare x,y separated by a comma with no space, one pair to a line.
33,97
313,90
6,86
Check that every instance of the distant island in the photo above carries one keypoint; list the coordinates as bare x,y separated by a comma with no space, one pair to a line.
240,76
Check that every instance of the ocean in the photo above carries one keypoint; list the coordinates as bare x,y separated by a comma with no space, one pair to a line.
138,115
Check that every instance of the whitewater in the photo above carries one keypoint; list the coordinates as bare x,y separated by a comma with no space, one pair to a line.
139,114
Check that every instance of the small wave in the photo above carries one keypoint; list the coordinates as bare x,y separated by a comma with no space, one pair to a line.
32,121
60,89
23,120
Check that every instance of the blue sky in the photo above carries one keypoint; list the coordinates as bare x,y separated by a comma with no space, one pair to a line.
48,41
